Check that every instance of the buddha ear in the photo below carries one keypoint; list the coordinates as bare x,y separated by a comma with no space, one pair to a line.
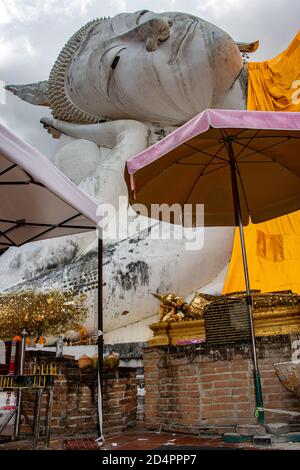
34,93
248,46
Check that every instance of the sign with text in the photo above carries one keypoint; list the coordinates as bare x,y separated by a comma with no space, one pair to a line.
227,323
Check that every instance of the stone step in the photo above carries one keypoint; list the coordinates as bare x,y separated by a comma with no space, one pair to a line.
293,437
281,428
233,437
250,429
262,439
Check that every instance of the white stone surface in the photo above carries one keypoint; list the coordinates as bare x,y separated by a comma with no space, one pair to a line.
171,66
76,351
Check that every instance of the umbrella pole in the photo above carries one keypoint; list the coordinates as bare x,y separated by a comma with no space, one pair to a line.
100,336
259,412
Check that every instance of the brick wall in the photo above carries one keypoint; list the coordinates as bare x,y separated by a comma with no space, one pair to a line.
140,395
120,400
75,398
189,389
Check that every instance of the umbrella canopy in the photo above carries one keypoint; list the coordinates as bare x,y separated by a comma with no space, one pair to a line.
238,164
37,200
193,165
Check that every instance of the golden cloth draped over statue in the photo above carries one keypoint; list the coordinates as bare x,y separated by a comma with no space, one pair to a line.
273,247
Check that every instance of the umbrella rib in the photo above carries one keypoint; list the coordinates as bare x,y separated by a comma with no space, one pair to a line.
8,169
201,164
270,158
81,227
216,169
192,189
17,225
225,134
220,166
270,137
34,224
10,183
8,221
242,150
32,181
201,174
262,150
24,223
193,186
60,225
7,238
206,153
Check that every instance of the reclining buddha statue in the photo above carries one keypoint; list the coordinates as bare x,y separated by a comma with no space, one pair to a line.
119,85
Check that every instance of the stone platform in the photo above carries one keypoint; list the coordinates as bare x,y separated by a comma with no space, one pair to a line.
193,389
274,313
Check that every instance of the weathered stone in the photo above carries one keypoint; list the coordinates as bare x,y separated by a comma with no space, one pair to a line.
289,375
182,65
278,428
250,430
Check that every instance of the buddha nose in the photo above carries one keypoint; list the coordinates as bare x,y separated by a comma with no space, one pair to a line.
155,31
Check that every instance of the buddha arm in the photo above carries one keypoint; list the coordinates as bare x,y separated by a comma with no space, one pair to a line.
106,134
118,141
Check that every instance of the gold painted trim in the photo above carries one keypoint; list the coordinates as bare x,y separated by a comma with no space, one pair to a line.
279,321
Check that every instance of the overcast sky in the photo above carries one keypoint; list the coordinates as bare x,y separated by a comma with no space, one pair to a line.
32,32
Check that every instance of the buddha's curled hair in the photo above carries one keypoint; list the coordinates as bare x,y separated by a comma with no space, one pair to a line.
61,106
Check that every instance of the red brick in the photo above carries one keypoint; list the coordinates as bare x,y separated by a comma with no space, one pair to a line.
222,384
215,377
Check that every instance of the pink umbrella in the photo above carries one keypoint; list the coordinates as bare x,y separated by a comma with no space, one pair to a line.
239,164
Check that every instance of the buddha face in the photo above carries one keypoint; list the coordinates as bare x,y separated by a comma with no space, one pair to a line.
159,68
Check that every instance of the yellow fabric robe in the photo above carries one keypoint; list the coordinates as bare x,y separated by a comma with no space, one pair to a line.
273,247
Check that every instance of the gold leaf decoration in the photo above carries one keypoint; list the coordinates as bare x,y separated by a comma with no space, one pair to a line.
34,312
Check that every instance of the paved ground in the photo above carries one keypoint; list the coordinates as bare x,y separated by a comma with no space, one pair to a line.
140,439
152,440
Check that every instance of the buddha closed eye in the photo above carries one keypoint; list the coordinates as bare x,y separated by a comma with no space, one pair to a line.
115,62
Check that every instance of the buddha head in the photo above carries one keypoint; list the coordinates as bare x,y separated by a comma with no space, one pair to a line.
161,68
158,68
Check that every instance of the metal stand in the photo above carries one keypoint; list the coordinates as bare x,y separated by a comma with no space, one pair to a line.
35,422
259,412
8,418
100,307
21,372
36,431
49,416
100,334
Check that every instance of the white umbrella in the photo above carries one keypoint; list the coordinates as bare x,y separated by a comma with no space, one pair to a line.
39,202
